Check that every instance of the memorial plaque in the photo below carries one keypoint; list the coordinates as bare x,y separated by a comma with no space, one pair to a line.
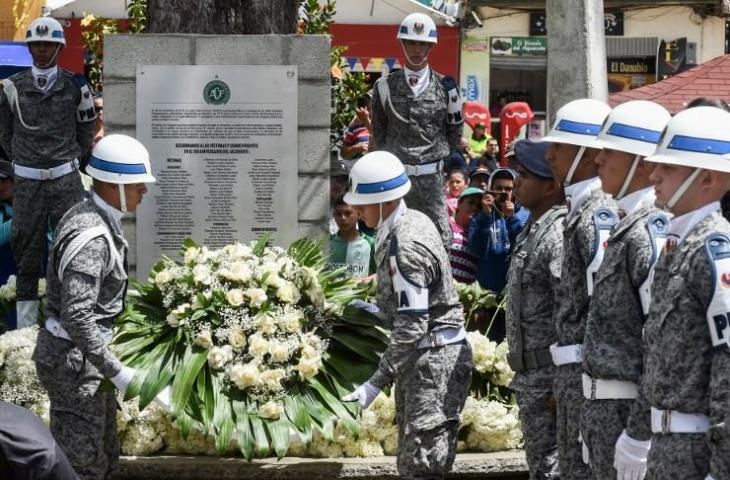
223,145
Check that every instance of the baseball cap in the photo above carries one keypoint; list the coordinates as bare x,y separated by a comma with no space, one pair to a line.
533,156
470,192
479,171
480,124
6,169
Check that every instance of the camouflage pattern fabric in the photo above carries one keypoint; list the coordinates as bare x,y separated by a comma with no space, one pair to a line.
37,205
602,422
538,429
571,312
682,371
431,383
425,198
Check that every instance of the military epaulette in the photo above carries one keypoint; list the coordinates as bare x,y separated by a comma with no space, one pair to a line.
657,225
603,221
717,245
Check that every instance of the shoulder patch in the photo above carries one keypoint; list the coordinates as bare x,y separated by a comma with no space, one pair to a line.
717,246
410,297
603,221
657,224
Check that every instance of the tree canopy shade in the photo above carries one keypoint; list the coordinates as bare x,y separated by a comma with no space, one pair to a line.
222,16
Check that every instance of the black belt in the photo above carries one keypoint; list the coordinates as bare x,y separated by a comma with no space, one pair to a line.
530,360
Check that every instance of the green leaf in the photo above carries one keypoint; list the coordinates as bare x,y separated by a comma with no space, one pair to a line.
279,434
184,423
158,376
296,412
187,371
261,244
222,417
335,404
365,347
322,416
261,441
204,390
244,432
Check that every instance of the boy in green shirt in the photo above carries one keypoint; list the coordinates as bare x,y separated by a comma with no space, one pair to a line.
349,247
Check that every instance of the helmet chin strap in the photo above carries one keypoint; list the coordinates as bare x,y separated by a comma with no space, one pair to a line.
52,61
574,166
122,199
380,216
682,189
629,177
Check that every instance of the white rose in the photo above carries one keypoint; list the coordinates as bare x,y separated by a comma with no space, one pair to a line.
244,375
265,323
268,273
239,251
219,356
291,321
286,266
173,320
204,255
239,272
235,297
256,296
237,338
279,351
191,254
272,379
201,274
181,308
309,351
316,295
258,345
308,367
203,339
288,292
271,410
162,278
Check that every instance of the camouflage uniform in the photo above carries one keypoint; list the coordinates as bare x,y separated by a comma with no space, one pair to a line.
682,370
427,137
571,312
533,279
85,302
612,346
61,138
431,383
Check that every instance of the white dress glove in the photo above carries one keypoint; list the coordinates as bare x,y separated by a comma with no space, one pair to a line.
122,379
365,394
630,459
370,307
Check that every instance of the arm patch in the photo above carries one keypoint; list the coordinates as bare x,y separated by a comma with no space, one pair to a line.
603,221
410,297
717,246
85,111
658,227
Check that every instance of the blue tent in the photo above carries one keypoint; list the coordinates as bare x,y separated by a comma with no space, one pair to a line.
14,57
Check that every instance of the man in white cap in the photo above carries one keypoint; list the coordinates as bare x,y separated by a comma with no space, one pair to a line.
686,378
46,126
416,115
87,283
612,351
428,358
591,215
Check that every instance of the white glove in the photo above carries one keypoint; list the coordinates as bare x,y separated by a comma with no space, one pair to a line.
630,459
122,379
365,394
163,399
709,477
370,307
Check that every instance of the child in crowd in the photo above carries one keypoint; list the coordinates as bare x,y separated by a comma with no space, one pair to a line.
349,247
456,183
463,262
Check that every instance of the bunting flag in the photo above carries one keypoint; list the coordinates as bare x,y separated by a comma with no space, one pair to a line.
372,64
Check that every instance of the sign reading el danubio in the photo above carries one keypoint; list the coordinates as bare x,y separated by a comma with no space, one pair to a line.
223,143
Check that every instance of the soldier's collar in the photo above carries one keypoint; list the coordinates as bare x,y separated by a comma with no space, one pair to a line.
634,200
682,225
389,223
114,215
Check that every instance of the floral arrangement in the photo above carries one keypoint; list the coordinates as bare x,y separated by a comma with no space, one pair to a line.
253,340
19,383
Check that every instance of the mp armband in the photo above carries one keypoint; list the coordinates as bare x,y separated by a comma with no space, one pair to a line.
85,111
410,298
717,246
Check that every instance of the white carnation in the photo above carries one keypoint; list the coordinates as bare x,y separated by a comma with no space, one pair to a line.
244,375
271,410
218,357
204,339
235,297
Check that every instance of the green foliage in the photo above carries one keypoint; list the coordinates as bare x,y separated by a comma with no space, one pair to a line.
137,13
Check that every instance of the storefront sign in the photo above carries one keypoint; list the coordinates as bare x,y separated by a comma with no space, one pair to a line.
519,46
629,73
472,87
223,143
613,23
671,58
475,44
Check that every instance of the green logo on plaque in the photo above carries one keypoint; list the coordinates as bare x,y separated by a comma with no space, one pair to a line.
216,92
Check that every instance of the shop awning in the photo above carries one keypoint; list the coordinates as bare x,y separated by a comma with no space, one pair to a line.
14,57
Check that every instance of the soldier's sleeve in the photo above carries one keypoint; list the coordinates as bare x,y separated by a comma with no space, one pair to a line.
454,130
720,414
79,294
638,424
641,253
415,272
378,118
85,116
6,124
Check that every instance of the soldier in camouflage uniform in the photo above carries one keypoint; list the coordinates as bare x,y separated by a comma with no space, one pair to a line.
428,358
591,215
612,353
87,282
416,115
46,125
686,376
533,279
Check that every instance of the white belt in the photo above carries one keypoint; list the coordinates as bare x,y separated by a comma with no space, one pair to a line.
671,421
566,354
425,169
54,328
598,389
46,173
443,336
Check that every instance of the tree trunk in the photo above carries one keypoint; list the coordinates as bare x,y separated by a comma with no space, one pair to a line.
222,16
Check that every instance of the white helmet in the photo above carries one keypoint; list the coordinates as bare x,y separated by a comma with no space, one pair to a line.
419,27
697,137
579,122
120,159
633,127
375,178
45,29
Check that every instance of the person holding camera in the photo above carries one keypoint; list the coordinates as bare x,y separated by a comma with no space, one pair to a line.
495,228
